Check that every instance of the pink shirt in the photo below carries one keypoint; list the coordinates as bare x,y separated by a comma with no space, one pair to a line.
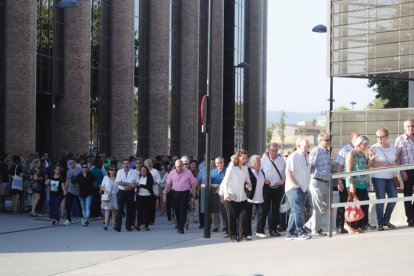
181,182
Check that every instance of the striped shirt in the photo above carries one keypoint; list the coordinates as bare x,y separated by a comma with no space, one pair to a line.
320,163
340,159
405,149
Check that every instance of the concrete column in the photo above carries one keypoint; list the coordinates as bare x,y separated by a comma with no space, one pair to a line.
217,79
255,76
264,78
411,93
189,78
122,101
20,99
73,110
158,77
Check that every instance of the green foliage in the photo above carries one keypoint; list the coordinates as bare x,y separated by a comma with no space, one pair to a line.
395,92
341,108
377,103
281,128
269,132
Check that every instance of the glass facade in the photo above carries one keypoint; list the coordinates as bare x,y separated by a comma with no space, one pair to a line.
101,74
372,38
141,78
2,74
174,76
49,71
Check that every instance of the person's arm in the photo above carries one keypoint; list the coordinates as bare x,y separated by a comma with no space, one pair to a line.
224,187
349,161
291,177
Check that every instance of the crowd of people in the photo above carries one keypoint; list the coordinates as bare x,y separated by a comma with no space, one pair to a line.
249,186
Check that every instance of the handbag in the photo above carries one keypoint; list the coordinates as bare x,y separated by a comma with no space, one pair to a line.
17,182
353,213
106,197
284,204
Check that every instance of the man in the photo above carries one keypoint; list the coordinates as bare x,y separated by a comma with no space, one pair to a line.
343,193
297,184
126,180
72,189
274,168
405,145
320,162
181,181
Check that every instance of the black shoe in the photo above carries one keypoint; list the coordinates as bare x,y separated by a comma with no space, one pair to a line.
138,228
129,229
410,222
380,228
224,230
105,228
226,236
274,234
200,227
147,229
180,231
307,229
215,229
176,226
389,225
341,230
371,227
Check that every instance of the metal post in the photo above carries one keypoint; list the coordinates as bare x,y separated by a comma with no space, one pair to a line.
207,214
330,210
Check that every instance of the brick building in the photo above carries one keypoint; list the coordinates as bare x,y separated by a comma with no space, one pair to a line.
110,72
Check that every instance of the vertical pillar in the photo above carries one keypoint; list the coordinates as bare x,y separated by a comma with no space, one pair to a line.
189,78
158,77
73,110
20,99
254,115
122,100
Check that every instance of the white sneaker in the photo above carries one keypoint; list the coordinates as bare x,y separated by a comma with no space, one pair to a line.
260,235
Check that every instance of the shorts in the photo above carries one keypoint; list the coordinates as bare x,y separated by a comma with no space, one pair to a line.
16,192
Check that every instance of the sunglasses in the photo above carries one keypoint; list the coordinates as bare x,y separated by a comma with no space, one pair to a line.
84,167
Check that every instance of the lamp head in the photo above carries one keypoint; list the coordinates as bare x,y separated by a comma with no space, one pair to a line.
319,29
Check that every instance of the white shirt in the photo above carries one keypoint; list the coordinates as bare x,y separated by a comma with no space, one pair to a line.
384,155
258,193
131,177
143,191
109,186
234,181
298,164
157,181
270,171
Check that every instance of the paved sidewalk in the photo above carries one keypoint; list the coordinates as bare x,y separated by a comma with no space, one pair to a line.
32,247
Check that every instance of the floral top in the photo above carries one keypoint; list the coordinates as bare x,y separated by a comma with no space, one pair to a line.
360,163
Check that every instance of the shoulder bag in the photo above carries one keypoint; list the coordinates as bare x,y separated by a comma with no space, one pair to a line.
353,213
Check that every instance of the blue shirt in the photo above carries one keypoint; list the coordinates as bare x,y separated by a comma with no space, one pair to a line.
320,163
215,176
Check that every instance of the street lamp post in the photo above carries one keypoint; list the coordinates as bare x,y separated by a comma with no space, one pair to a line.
242,65
352,105
61,4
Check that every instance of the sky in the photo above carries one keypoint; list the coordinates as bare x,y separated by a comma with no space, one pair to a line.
297,72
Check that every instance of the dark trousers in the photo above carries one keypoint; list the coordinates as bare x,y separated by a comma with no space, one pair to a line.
70,198
223,212
144,205
237,211
54,204
408,191
362,194
168,206
125,198
272,198
96,204
259,211
153,208
180,206
340,214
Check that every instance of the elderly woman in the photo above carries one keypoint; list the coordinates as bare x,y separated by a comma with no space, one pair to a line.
255,197
383,154
235,199
357,185
109,187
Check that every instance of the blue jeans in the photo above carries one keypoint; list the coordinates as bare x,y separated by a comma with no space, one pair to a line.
383,186
47,200
86,206
296,199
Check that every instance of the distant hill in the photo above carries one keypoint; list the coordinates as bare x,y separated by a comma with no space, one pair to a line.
291,117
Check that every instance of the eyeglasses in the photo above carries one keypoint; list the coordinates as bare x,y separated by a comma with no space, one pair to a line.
112,170
84,167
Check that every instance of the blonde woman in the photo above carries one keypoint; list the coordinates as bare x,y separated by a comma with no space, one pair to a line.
109,188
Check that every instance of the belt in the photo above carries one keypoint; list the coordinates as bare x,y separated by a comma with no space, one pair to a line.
211,185
321,180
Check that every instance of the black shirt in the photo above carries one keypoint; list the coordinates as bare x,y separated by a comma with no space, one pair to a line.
85,184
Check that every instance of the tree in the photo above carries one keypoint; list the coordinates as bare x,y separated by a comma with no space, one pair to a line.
269,133
281,128
377,103
341,108
396,92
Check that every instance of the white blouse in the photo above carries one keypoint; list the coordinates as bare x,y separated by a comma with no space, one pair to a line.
234,182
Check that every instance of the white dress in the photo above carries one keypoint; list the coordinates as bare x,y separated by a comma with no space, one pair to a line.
109,185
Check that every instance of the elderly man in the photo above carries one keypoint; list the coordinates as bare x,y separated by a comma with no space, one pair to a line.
320,163
181,181
297,184
274,168
405,145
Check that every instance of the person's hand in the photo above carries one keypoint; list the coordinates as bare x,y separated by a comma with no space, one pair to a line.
352,189
371,155
249,186
404,175
340,186
228,198
267,182
164,198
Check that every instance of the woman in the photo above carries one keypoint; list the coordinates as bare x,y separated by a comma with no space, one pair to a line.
164,174
357,185
109,188
195,205
255,199
16,178
383,154
86,182
154,198
36,181
144,194
235,199
56,184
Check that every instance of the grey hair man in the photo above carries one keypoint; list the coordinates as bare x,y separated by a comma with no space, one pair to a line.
320,163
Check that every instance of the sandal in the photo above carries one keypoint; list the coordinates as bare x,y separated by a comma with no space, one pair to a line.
351,230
